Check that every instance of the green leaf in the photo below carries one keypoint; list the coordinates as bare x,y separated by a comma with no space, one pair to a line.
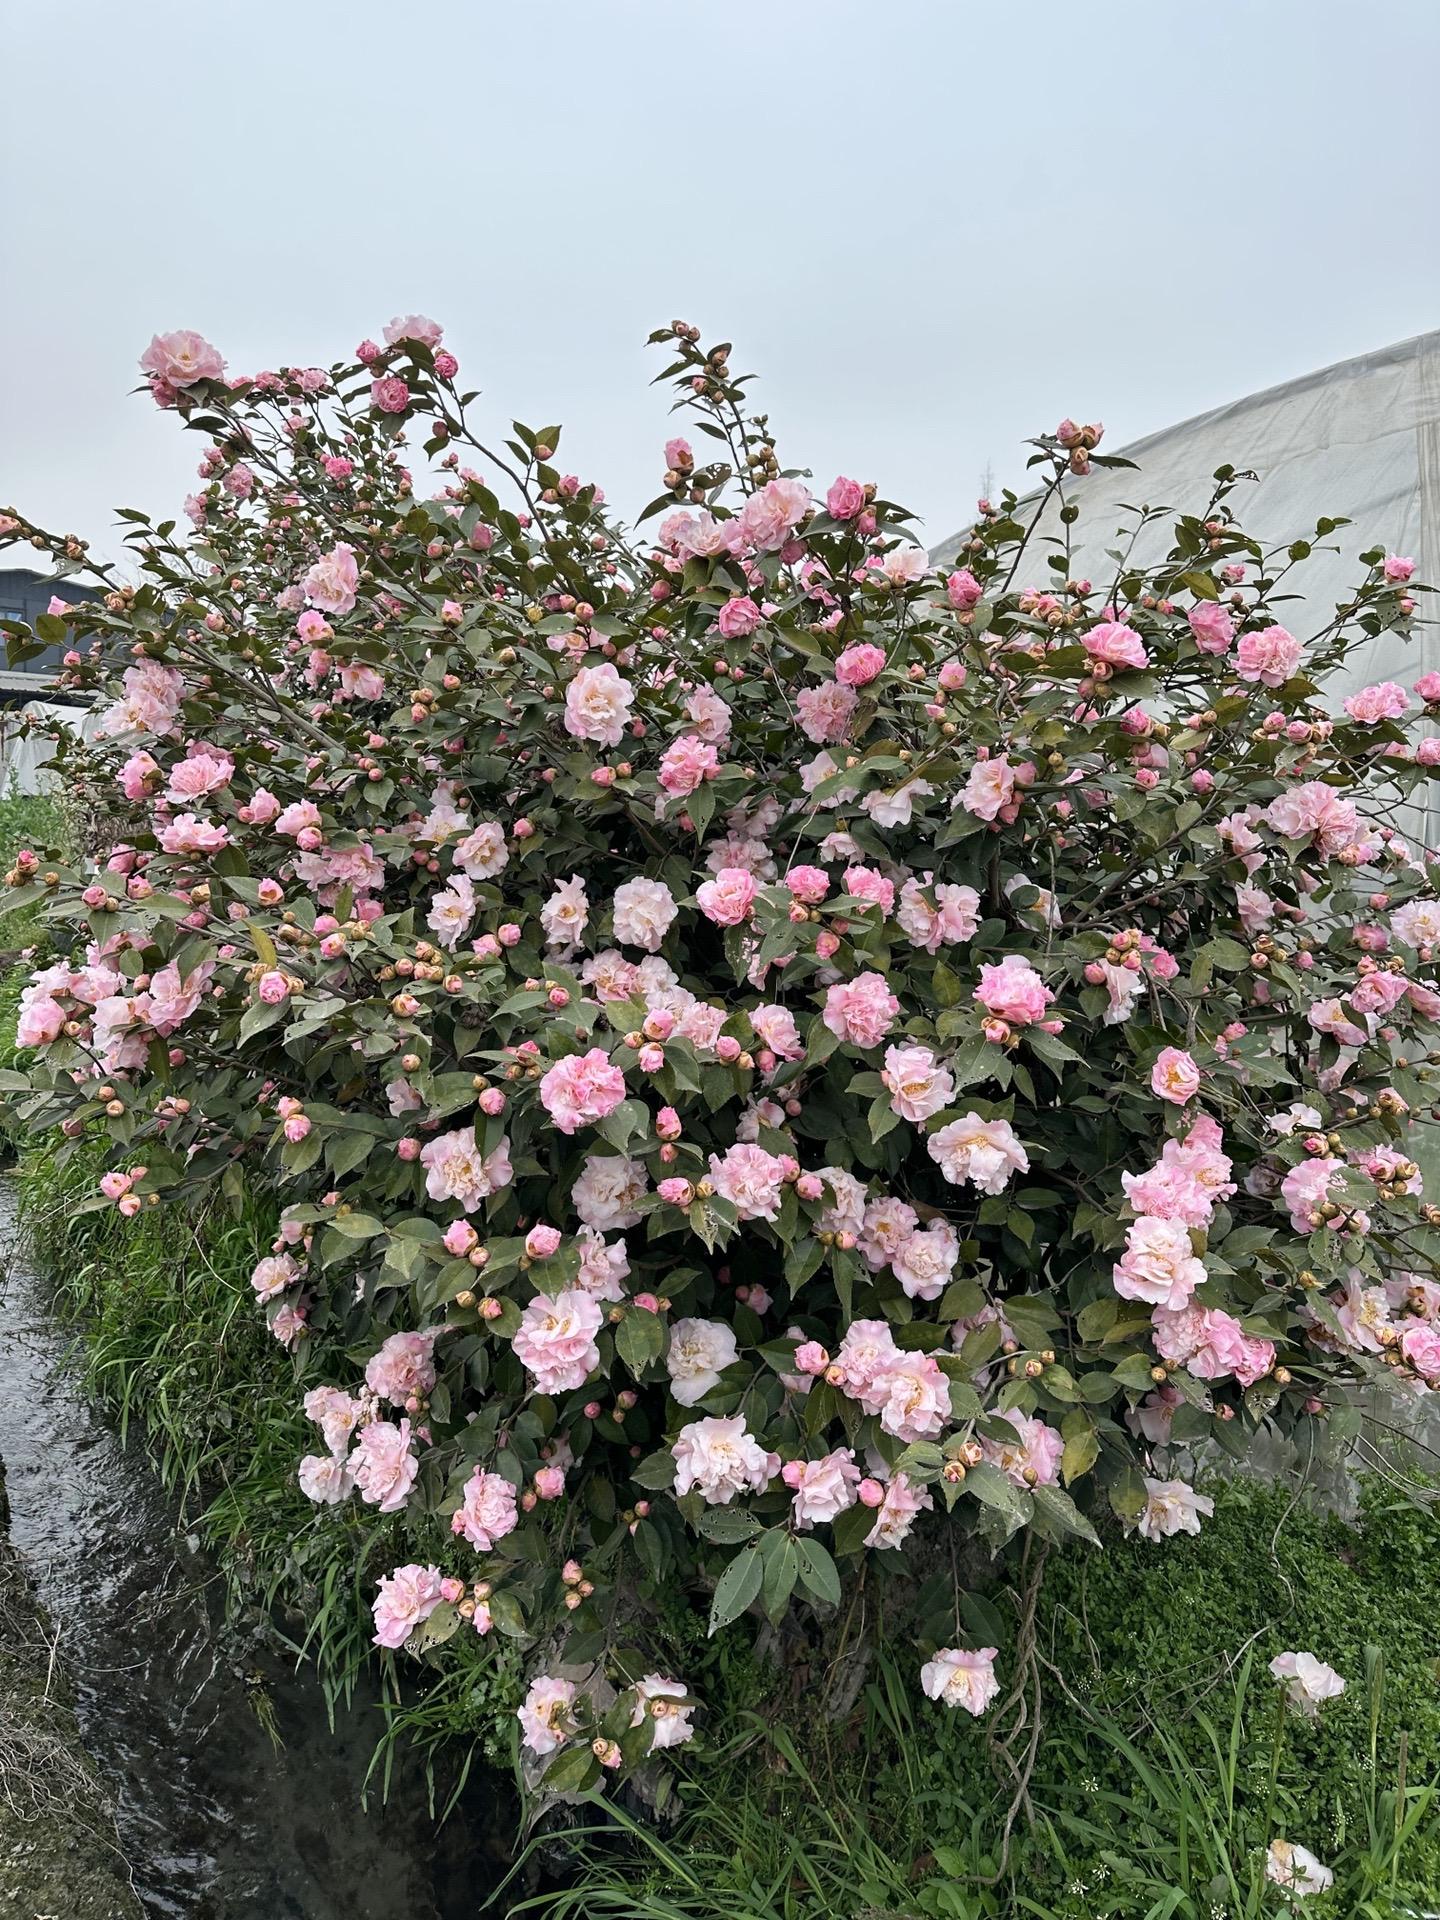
988,1484
357,1226
1082,1450
1055,1506
572,1771
736,1588
818,1571
728,1526
639,1339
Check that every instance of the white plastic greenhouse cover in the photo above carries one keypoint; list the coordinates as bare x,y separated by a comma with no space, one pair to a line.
1359,441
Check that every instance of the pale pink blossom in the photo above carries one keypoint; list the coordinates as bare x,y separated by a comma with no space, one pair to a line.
962,1679
1268,656
984,1152
457,1168
597,705
555,1341
581,1089
406,1597
721,1458
752,1180
487,1510
383,1465
861,1011
1159,1265
699,1352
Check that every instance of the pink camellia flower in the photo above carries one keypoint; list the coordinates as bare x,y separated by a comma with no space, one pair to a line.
199,774
457,1169
1314,808
961,1679
1159,1265
1398,568
822,1488
964,591
325,1479
273,987
487,1510
188,833
139,776
899,1501
861,1011
389,394
990,789
809,885
542,1241
983,1152
720,1458
1420,1346
1032,1458
180,359
845,498
739,617
597,705
1268,656
404,1368
406,1597
555,1341
1306,1188
911,1394
825,712
1171,1507
271,1276
546,1716
1115,644
334,580
667,1706
1175,1076
414,326
698,1354
766,519
917,1084
728,898
383,1465
1308,1682
857,666
581,1089
926,1260
752,1180
460,1237
1212,627
687,763
1013,991
1384,701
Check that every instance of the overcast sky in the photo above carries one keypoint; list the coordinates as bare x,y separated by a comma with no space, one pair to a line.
931,226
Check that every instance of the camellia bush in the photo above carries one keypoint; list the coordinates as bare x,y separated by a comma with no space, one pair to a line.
770,1052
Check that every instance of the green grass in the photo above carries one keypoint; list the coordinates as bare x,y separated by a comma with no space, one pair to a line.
38,822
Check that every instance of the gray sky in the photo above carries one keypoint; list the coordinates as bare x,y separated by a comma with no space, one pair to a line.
931,228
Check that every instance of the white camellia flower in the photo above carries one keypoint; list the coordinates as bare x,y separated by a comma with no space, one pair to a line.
700,1350
1296,1869
1171,1507
1308,1682
962,1679
721,1458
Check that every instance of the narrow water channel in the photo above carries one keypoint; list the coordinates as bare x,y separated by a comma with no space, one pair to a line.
217,1821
